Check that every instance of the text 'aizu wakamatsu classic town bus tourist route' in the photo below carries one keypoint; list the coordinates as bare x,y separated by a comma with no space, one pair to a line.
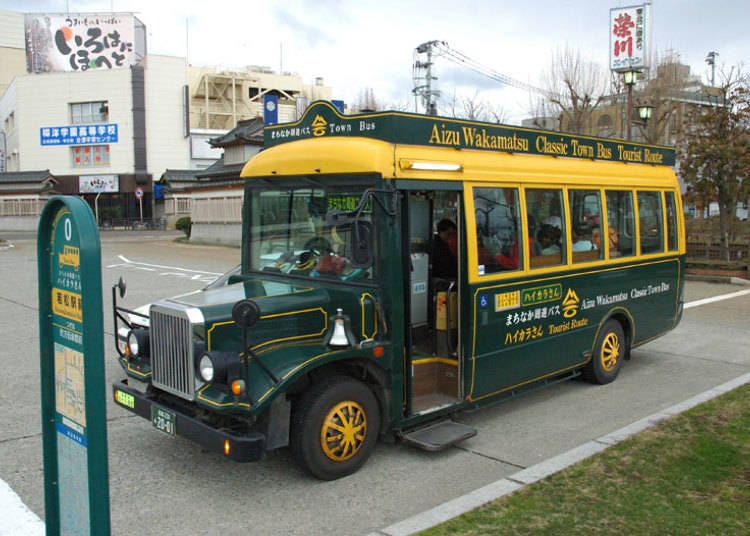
74,423
399,268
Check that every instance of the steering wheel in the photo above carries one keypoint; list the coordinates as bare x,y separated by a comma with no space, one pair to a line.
313,249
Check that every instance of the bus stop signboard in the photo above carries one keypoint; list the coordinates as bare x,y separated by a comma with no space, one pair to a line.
76,475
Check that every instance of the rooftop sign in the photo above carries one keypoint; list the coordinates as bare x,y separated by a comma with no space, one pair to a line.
57,42
628,38
322,119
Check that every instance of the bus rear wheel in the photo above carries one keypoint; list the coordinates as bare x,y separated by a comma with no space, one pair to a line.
334,427
609,351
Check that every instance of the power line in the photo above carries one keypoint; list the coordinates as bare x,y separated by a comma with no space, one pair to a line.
423,82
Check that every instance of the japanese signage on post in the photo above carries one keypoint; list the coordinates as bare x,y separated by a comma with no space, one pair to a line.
81,41
628,38
76,474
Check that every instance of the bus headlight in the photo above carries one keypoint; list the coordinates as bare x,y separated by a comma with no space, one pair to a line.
217,367
206,369
138,342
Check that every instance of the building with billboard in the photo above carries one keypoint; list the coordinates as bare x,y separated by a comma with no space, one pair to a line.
81,97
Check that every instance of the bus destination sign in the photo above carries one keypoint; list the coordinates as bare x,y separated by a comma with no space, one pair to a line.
322,119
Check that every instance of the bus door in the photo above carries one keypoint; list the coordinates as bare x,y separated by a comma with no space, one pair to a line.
433,315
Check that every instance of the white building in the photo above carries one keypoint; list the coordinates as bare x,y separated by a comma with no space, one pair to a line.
106,128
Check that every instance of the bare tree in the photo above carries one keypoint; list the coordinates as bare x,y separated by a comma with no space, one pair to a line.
474,109
575,88
367,101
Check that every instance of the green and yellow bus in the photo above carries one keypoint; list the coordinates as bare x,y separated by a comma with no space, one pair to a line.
397,269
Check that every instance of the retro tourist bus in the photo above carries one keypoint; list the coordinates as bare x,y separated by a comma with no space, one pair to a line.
397,269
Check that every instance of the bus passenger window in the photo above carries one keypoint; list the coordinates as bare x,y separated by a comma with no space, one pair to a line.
498,230
650,222
544,206
620,224
671,222
585,220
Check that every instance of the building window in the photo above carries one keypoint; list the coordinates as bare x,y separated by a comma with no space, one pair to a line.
90,156
10,122
83,113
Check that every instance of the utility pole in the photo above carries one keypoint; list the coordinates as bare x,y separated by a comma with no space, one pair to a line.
425,90
711,60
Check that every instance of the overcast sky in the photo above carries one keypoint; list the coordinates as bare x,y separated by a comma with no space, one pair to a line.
356,44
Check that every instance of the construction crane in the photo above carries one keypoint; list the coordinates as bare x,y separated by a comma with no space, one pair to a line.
423,77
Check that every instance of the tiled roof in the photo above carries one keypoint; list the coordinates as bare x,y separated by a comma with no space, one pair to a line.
26,177
247,132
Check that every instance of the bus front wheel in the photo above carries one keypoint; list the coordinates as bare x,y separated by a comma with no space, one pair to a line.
609,351
334,427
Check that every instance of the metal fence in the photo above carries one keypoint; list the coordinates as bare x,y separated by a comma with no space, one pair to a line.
134,224
739,251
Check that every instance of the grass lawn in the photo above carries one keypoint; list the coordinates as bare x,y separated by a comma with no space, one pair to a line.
688,475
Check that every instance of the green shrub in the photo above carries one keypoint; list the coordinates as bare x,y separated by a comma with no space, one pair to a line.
184,224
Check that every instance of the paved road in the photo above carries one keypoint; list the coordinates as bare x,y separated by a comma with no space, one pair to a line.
168,487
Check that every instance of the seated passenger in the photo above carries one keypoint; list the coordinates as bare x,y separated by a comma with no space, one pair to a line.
582,238
596,239
549,239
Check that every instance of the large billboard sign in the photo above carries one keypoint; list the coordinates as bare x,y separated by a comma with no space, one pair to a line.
83,41
628,38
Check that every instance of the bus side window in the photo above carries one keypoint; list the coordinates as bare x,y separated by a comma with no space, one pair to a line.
498,230
545,208
671,221
585,221
651,222
620,224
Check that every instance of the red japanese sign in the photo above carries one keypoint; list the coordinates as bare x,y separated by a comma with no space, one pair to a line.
628,38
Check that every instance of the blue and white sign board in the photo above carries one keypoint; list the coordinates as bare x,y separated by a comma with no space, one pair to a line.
270,109
95,134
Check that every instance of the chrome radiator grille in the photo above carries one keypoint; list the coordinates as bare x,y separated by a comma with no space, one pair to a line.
172,359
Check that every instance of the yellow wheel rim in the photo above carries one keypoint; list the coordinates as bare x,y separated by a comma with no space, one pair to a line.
610,352
343,432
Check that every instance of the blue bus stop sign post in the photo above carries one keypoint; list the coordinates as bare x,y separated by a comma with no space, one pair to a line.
74,420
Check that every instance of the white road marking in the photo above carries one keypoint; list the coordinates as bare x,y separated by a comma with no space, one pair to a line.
166,271
714,299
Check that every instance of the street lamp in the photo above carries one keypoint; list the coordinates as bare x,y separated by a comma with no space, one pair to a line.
629,78
644,112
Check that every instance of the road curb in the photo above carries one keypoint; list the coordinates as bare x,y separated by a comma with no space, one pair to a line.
514,482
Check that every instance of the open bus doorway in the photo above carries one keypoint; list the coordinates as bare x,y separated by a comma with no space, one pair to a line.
436,260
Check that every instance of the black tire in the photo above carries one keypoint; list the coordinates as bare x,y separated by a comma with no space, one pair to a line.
609,351
336,402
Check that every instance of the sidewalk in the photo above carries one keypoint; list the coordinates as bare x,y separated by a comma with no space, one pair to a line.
506,486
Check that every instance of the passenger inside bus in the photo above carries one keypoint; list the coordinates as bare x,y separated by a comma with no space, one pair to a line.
582,238
596,239
444,250
548,238
511,259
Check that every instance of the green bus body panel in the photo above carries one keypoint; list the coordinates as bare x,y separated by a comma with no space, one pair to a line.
290,334
521,331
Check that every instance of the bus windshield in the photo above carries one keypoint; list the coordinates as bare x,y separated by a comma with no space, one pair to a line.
288,232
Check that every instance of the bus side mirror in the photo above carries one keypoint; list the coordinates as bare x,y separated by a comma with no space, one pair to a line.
361,245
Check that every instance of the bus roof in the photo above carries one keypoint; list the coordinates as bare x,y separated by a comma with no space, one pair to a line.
323,120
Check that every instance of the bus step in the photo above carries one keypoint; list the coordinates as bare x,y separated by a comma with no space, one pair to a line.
439,436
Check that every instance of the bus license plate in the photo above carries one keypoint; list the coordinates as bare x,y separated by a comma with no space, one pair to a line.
163,420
